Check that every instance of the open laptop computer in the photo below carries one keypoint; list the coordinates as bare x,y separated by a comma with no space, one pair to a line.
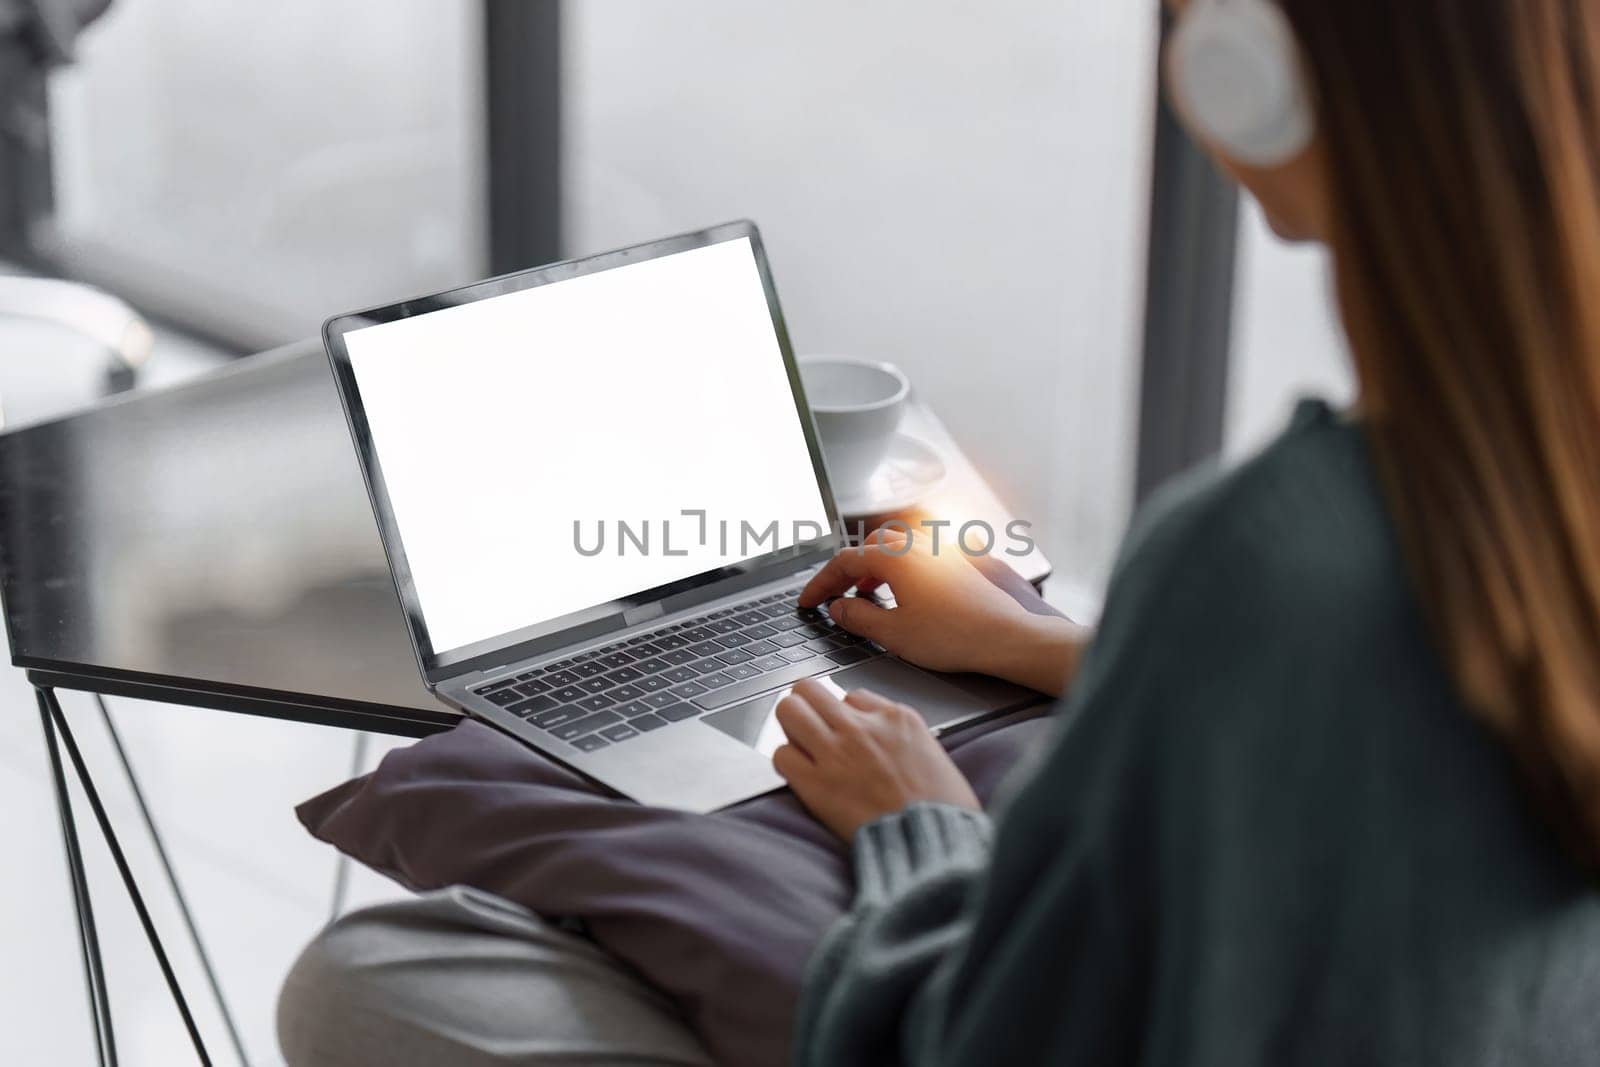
600,491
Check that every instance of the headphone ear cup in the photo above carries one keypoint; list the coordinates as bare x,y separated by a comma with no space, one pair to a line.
1236,78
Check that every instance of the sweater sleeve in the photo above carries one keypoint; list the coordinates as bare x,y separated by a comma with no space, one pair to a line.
915,870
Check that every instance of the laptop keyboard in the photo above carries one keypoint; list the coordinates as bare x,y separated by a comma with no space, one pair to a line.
678,672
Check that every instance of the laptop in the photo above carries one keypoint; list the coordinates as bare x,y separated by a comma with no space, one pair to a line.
600,492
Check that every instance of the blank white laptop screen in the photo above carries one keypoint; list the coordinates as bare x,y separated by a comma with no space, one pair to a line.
629,394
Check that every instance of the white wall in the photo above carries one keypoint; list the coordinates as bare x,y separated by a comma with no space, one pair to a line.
958,188
1287,341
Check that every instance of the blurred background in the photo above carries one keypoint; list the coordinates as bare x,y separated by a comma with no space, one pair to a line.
991,197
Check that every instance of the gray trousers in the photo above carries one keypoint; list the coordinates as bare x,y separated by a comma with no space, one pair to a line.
460,976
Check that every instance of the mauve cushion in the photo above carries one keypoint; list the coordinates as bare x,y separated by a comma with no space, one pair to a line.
719,911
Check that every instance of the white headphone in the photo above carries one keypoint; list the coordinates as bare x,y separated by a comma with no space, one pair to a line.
1236,77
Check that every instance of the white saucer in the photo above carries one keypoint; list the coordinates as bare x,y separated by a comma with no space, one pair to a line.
910,471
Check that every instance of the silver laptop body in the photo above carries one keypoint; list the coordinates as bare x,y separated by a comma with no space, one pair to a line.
599,488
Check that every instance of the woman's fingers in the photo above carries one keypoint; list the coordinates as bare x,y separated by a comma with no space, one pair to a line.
869,563
894,542
802,724
829,709
887,536
867,700
791,763
862,617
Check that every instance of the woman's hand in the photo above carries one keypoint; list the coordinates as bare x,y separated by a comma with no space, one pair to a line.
854,760
948,617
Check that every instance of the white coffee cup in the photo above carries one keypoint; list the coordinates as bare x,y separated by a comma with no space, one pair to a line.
858,404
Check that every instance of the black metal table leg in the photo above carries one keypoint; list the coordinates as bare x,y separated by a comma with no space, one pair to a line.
88,940
178,895
51,709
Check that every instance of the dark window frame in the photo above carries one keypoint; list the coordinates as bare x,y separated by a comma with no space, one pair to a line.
1188,317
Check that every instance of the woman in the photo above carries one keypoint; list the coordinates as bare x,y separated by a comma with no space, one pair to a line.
1331,788
1327,788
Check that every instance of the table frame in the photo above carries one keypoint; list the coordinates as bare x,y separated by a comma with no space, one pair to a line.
293,707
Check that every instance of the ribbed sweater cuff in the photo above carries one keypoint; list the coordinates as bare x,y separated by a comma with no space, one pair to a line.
897,850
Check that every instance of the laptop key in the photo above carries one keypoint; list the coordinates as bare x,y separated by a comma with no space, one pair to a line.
705,648
699,633
759,631
750,618
617,659
773,611
820,644
660,700
733,655
723,626
672,641
652,683
620,732
626,692
679,656
787,640
789,674
678,712
626,674
561,678
596,703
761,648
533,688
741,671
547,720
586,725
690,689
596,685
569,694
590,743
648,722
679,674
786,622
531,705
654,665
504,697
705,666
795,655
846,656
733,640
645,648
588,669
714,679
633,708
770,663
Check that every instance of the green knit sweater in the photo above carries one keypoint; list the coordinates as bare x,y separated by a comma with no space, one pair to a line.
1267,832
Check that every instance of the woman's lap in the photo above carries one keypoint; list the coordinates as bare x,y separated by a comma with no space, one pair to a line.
721,911
461,976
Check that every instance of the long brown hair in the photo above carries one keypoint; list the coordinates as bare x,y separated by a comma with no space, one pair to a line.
1463,142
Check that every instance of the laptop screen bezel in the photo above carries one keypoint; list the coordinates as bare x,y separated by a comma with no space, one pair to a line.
438,665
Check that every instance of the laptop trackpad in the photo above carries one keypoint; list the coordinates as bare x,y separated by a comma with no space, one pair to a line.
754,722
